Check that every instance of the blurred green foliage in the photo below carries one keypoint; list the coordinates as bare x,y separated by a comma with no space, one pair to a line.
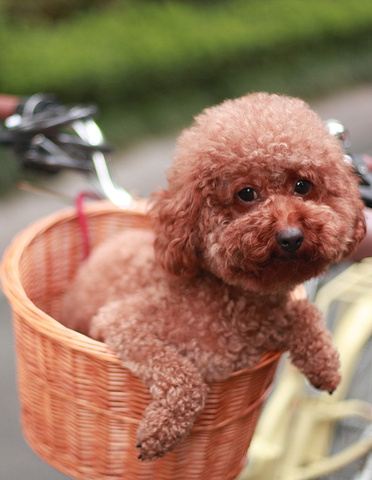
151,65
143,53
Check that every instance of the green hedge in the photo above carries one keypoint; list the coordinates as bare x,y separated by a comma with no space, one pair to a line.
154,64
135,49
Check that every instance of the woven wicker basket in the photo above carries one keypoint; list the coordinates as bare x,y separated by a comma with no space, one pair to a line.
80,408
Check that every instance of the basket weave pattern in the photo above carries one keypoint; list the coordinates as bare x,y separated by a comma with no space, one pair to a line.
80,408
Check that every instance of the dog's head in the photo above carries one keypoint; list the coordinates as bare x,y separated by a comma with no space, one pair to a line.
259,195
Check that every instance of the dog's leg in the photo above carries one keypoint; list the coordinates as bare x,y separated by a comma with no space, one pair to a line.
176,386
179,395
311,348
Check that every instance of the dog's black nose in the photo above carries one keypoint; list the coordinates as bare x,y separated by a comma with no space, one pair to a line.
290,239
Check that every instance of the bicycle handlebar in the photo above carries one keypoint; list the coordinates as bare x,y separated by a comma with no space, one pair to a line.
47,135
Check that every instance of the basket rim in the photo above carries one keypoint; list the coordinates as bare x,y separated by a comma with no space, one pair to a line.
46,324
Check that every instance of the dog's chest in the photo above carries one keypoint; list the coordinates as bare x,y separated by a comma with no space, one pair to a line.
218,322
248,321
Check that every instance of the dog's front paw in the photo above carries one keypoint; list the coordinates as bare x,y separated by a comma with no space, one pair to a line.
159,432
152,446
326,380
323,370
150,449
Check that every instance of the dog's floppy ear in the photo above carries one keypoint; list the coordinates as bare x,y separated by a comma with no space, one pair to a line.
175,218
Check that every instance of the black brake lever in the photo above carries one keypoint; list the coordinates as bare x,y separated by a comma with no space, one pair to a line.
39,134
47,120
53,163
49,136
64,139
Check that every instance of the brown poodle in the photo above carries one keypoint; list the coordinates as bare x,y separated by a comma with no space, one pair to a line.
259,200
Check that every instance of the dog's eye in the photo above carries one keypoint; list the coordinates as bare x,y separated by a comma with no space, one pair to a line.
303,187
247,194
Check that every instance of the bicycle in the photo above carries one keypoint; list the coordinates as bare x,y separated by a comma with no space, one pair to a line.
50,136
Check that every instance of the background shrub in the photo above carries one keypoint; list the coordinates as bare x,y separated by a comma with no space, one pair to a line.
151,65
142,53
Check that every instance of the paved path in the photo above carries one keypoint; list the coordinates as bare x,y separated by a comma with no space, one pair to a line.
140,169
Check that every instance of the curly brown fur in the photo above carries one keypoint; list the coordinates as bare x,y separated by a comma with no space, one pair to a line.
207,292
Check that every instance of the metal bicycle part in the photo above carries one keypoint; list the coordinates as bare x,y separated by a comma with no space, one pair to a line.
89,131
338,130
48,136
